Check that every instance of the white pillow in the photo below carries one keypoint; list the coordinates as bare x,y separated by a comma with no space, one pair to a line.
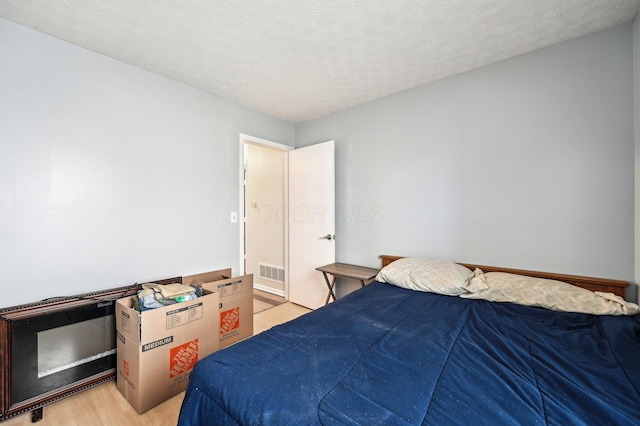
549,294
430,275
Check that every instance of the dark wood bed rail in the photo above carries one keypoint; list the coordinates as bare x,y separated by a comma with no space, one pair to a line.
590,283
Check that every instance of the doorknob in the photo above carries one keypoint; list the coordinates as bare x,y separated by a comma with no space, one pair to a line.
328,237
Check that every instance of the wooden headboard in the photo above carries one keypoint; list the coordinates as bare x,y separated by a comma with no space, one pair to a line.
590,283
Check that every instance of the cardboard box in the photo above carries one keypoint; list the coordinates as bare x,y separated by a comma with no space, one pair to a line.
207,277
158,348
235,305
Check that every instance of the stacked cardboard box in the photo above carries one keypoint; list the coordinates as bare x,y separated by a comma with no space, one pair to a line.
158,348
235,305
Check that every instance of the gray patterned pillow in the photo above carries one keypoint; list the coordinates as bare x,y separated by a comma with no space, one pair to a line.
543,293
430,275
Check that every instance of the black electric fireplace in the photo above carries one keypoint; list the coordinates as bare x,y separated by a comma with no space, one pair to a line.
55,348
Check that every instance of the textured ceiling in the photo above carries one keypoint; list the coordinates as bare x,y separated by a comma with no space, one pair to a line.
301,59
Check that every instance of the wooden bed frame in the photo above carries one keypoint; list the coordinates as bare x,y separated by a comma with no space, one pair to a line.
594,284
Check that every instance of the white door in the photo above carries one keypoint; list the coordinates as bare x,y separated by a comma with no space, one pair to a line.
311,221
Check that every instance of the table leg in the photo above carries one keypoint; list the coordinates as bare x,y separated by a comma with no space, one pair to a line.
331,286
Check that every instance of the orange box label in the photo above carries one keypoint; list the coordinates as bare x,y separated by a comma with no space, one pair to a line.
229,320
183,358
125,367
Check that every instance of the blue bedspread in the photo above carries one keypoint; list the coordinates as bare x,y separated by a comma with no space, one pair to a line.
386,355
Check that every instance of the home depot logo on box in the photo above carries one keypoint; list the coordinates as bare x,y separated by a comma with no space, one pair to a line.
229,320
183,358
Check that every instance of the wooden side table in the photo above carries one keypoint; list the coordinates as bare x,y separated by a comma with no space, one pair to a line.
344,270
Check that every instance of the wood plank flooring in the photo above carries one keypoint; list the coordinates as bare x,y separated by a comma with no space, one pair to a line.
104,405
263,301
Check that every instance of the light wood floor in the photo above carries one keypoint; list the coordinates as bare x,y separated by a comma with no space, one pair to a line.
263,301
104,405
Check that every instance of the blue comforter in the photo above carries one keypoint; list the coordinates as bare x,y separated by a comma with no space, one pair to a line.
390,356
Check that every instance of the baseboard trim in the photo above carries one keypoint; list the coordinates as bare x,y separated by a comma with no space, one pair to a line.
266,289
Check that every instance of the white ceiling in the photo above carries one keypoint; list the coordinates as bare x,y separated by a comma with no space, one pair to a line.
301,59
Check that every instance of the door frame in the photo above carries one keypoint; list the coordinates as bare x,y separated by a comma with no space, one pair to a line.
244,138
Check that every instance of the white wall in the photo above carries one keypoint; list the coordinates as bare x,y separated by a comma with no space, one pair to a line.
528,163
111,175
265,213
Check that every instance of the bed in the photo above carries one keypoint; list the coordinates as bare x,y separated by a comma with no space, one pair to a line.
392,355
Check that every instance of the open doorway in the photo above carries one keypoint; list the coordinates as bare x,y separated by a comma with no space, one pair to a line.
264,191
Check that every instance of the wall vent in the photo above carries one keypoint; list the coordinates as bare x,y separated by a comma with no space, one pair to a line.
271,272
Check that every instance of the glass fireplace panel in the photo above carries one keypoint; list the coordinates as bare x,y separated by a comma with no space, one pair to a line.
75,344
57,349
